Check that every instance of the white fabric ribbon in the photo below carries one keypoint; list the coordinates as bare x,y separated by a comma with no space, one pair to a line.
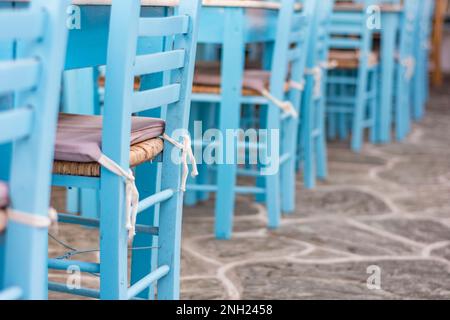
131,193
329,65
300,86
410,65
186,155
317,73
286,106
33,220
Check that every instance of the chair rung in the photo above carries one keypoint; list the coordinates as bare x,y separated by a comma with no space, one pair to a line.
246,145
340,109
95,223
15,124
12,24
145,282
18,75
85,292
155,199
158,62
63,264
165,26
154,98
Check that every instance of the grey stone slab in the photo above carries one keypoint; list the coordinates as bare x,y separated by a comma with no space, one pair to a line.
420,230
249,247
202,289
344,203
399,280
418,171
338,235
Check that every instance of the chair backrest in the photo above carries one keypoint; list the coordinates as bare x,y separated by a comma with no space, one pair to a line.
34,76
319,41
291,45
349,29
425,23
178,32
38,33
408,26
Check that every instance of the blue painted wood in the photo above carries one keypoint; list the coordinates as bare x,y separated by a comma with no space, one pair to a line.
422,51
289,27
403,102
357,97
29,181
232,72
123,44
312,150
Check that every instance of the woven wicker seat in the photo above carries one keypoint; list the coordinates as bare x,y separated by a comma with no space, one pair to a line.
217,90
349,59
139,153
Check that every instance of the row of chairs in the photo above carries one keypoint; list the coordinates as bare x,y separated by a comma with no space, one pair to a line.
333,85
95,151
319,79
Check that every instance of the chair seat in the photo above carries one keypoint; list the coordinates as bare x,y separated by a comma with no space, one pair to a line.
215,89
139,153
349,59
207,79
78,143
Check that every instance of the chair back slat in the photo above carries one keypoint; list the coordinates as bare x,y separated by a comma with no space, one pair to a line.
158,62
18,75
25,25
171,57
15,124
154,98
161,27
349,30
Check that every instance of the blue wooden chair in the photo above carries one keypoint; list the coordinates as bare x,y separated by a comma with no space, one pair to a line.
352,86
312,153
34,76
422,52
119,203
279,107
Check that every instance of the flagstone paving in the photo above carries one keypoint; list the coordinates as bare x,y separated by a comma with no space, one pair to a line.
387,208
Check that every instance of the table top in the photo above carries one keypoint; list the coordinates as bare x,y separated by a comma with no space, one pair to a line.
256,4
385,7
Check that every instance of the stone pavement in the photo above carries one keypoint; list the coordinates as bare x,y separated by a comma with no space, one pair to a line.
388,207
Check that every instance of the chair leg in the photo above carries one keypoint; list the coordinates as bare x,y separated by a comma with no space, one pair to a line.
343,126
145,261
358,114
190,197
26,260
233,54
289,144
113,239
169,240
89,203
321,143
373,103
226,196
207,117
308,147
